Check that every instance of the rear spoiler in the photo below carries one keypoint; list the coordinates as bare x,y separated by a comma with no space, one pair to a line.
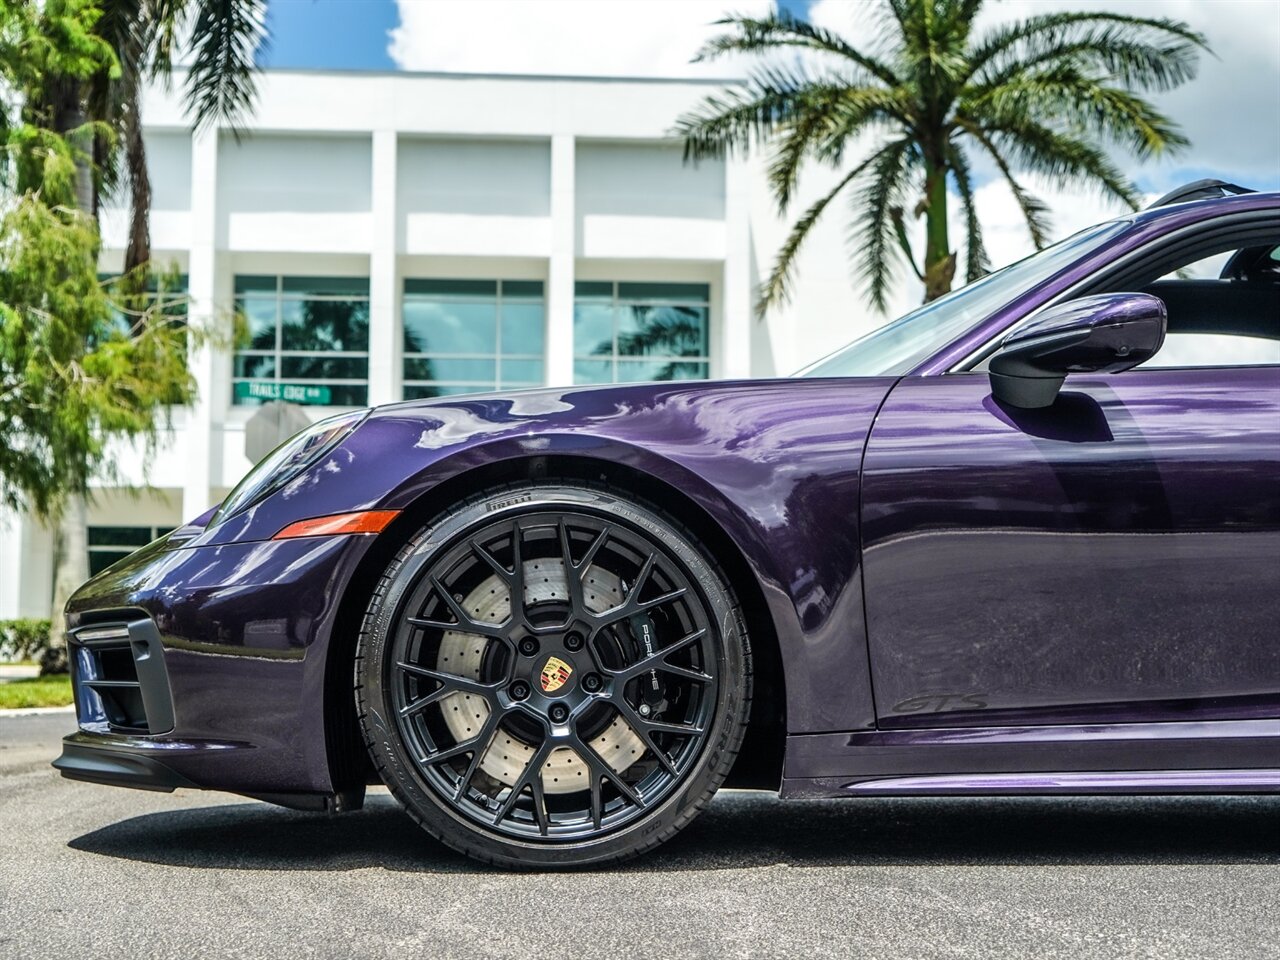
1201,190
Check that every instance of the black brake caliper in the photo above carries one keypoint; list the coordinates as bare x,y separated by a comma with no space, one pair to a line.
651,688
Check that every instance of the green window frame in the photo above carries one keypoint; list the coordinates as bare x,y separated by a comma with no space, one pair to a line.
304,330
472,336
626,331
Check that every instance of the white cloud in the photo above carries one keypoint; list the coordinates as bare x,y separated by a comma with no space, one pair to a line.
647,38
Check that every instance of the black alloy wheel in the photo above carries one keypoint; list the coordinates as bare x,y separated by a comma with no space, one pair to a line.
553,675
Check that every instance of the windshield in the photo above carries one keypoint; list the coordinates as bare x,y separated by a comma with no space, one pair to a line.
897,347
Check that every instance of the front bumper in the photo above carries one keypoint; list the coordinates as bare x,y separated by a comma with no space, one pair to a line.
86,757
229,646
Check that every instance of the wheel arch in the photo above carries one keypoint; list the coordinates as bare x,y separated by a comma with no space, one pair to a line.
760,759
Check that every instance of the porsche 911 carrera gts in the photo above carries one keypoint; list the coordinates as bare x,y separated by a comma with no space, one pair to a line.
1024,540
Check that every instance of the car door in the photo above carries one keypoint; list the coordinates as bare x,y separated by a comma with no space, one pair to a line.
1114,557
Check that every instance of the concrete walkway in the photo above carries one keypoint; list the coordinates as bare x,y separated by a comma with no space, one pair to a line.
16,671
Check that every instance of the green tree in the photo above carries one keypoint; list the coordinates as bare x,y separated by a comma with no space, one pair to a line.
80,371
1049,95
73,377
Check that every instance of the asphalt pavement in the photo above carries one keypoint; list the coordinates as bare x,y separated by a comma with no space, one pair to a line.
87,870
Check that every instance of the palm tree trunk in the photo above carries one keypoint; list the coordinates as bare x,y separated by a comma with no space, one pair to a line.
71,563
138,250
939,260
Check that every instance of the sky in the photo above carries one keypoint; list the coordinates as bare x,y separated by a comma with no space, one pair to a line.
1231,112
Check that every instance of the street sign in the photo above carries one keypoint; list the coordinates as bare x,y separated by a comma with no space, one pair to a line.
267,390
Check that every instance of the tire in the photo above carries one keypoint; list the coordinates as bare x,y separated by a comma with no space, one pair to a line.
589,726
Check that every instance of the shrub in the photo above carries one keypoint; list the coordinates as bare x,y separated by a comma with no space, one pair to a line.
23,639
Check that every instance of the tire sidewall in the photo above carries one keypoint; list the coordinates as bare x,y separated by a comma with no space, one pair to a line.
390,753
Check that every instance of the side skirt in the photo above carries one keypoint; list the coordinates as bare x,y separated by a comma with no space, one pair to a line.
1235,756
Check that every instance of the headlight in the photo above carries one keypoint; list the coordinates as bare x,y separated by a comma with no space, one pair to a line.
287,461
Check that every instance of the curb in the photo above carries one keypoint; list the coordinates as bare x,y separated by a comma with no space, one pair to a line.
36,711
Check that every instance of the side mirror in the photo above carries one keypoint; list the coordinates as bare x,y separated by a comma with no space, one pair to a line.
1103,334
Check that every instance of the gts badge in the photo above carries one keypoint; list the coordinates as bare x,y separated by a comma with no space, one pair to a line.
941,703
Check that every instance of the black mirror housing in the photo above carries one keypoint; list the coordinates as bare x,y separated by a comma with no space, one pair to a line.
1108,333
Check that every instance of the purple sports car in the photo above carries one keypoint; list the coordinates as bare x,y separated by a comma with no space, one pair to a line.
1024,540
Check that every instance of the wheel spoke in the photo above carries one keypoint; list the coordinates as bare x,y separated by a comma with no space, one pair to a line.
597,798
575,573
659,601
592,550
631,606
641,727
479,743
642,578
465,622
483,553
647,725
539,803
516,583
532,768
482,741
450,682
593,760
658,661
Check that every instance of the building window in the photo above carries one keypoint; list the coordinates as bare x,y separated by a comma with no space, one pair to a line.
110,544
307,340
165,297
466,336
625,332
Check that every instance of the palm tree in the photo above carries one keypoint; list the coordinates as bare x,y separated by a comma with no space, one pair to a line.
1048,95
222,38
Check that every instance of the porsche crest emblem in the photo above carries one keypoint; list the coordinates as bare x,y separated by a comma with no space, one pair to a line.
555,674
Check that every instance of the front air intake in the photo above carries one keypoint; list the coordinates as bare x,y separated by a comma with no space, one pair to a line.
120,678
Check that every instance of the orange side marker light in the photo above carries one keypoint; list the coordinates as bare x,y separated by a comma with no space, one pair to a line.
366,521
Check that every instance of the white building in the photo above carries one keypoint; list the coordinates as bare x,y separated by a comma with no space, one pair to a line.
398,235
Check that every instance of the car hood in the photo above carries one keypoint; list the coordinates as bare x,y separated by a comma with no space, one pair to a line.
743,438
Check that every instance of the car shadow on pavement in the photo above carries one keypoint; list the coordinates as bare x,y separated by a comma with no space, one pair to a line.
742,830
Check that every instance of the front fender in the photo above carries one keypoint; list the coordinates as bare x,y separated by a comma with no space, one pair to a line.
775,464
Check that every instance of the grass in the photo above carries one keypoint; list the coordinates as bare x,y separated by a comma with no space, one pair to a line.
52,691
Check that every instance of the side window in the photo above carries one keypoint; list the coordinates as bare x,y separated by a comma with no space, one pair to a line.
1224,310
1182,350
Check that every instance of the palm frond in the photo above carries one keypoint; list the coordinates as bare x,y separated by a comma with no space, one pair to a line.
163,18
777,288
977,262
735,119
781,29
1034,210
823,134
933,47
1145,53
1085,106
226,36
873,228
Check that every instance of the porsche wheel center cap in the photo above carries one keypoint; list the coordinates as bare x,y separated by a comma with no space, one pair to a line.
555,674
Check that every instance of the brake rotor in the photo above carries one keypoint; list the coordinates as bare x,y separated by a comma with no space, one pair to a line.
462,654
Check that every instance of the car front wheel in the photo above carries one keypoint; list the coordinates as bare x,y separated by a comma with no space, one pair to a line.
552,675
